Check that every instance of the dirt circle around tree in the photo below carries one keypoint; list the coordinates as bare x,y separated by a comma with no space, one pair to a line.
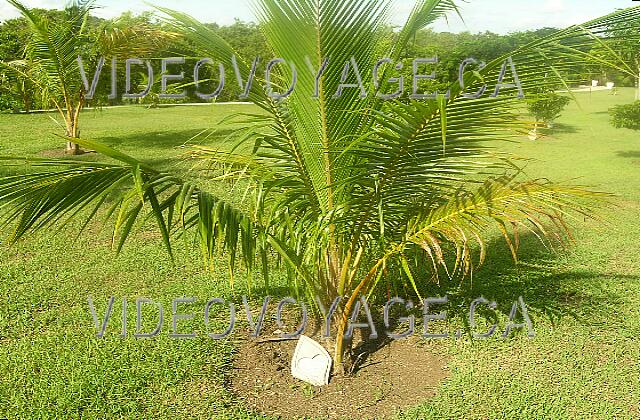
61,153
389,377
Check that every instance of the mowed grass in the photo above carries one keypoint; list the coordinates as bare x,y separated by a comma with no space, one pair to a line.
584,362
155,135
585,303
51,364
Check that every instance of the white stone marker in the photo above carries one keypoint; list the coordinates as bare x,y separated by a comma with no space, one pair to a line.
311,362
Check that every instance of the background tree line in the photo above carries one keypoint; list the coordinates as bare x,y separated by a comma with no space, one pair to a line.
19,95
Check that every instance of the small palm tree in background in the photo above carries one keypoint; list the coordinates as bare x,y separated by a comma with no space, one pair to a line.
546,107
50,63
343,191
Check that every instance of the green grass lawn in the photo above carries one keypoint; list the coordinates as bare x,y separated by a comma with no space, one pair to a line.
585,303
152,134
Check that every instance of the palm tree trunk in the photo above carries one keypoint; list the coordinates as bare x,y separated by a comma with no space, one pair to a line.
338,356
533,134
73,130
26,102
336,272
362,287
638,85
72,133
72,149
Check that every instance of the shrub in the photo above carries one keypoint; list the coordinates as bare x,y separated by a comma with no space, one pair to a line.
547,106
8,103
626,116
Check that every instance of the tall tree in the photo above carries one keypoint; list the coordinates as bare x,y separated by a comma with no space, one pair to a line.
623,41
629,48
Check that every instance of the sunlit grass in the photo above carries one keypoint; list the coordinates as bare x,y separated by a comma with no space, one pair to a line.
583,363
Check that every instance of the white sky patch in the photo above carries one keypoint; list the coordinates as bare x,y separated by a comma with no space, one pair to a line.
499,16
554,6
7,11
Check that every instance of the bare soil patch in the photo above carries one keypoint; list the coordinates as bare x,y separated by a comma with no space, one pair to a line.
60,153
389,377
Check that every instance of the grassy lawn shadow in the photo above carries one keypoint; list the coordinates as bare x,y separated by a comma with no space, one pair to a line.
633,154
550,289
162,140
560,128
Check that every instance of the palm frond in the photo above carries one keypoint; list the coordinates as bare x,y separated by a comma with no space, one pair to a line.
336,185
128,192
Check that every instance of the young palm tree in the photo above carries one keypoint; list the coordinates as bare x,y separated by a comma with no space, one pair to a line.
51,56
344,190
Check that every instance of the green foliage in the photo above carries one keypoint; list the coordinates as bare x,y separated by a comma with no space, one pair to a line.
452,48
547,107
626,116
247,39
8,103
13,37
52,366
629,51
345,191
249,42
50,65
